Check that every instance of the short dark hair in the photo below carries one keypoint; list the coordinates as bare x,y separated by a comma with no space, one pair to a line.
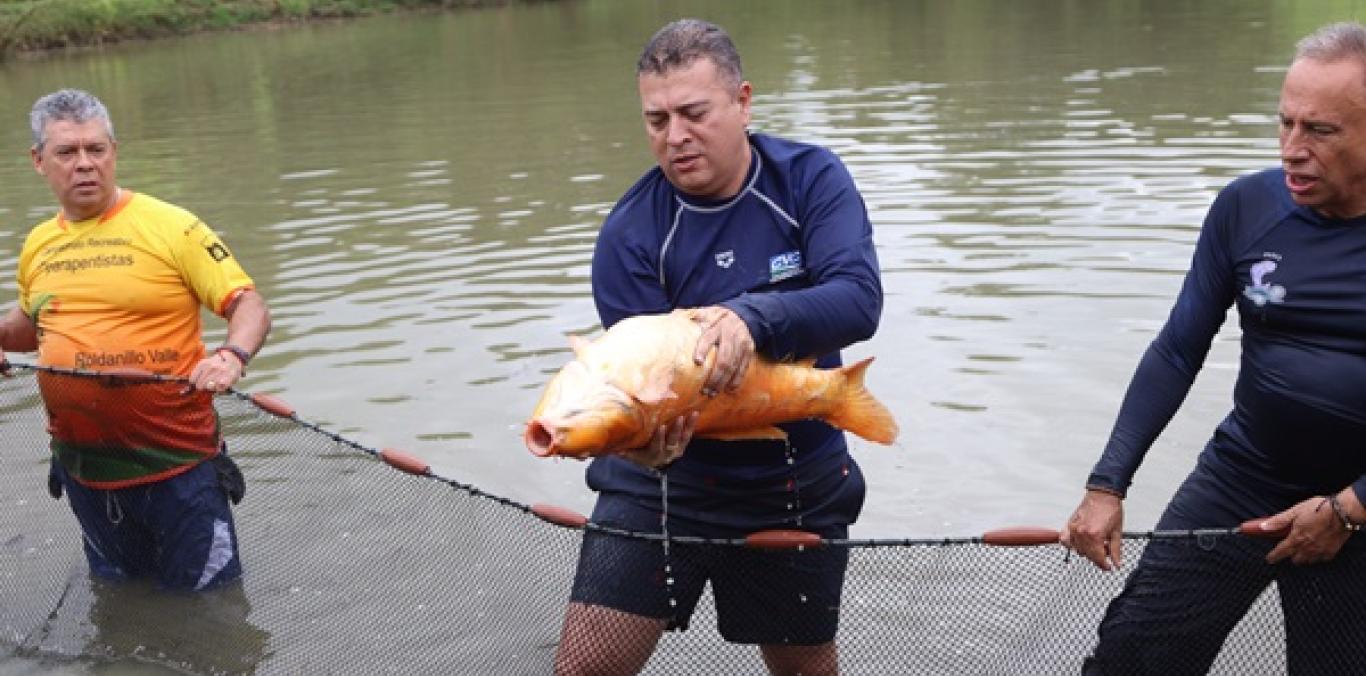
682,42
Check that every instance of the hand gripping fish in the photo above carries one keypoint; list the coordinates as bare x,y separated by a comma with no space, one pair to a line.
641,374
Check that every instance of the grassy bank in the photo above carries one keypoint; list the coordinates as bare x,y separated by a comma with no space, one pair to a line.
30,25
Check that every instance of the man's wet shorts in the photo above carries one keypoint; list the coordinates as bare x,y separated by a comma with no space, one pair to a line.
762,596
178,532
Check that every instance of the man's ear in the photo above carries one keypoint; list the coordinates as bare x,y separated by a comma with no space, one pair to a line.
37,158
743,96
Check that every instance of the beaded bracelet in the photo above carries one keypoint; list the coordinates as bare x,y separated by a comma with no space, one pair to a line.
242,355
1338,509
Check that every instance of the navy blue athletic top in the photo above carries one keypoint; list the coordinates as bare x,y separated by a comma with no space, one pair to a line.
792,254
1298,424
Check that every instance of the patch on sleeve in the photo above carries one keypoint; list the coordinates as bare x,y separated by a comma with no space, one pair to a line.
217,251
785,266
207,239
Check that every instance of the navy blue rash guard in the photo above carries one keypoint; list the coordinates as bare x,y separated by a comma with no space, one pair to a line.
792,254
1298,424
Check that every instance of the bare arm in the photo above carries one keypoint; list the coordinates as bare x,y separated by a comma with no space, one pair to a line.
18,333
248,323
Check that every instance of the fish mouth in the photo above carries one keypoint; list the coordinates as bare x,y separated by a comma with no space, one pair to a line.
539,439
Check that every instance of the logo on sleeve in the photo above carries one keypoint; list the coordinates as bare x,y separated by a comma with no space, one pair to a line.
725,259
209,241
217,251
785,266
1261,292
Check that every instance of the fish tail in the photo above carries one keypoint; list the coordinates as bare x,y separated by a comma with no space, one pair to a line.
859,412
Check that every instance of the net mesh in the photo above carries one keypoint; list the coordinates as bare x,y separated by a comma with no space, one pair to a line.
353,566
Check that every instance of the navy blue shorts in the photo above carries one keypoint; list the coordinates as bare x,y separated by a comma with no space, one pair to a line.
1185,596
762,597
178,531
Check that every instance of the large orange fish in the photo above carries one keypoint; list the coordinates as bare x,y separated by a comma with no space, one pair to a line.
641,374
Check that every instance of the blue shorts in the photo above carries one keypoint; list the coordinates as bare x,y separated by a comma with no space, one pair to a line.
763,597
1185,596
178,531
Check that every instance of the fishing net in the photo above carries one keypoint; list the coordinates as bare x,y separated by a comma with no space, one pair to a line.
360,560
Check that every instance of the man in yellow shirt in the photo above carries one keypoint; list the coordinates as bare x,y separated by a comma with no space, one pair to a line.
114,282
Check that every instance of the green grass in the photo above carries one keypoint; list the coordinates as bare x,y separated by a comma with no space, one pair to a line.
27,25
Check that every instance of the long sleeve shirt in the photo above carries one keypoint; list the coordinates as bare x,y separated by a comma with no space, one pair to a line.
791,254
1298,423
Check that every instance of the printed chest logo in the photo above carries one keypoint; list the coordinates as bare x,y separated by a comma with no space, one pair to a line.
725,259
785,266
1260,291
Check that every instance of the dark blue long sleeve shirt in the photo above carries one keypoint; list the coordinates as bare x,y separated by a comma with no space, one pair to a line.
792,254
1298,424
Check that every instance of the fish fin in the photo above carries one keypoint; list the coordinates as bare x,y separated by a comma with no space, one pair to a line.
579,344
656,389
859,412
770,433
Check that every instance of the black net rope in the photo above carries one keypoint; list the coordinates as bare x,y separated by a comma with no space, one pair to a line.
362,560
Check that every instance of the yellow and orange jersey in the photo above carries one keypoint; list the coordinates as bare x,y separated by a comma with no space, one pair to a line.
118,292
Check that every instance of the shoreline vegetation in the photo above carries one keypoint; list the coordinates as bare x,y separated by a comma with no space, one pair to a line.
28,26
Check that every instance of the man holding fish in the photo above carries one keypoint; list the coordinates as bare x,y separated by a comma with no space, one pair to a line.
767,244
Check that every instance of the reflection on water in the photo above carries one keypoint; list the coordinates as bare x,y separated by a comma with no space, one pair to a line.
202,633
108,623
418,197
